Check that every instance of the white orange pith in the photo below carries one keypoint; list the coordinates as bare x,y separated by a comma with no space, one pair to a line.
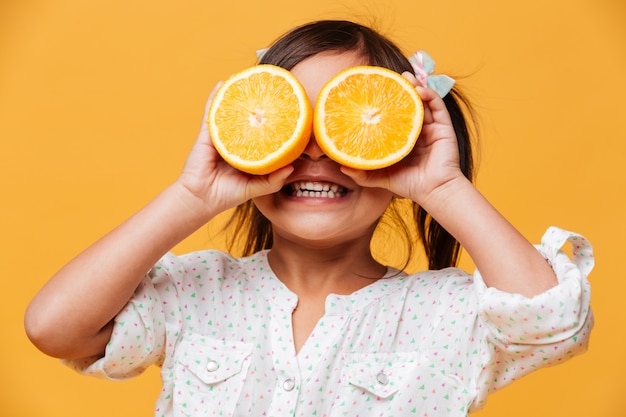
368,117
260,119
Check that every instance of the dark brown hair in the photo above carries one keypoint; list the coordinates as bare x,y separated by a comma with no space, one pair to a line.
442,250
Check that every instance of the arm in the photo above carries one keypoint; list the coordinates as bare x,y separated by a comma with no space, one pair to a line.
72,315
431,177
505,259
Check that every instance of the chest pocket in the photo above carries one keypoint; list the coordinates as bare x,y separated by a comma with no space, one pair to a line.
402,383
380,375
209,375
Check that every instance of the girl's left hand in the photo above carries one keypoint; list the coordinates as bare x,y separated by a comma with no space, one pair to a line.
431,177
433,162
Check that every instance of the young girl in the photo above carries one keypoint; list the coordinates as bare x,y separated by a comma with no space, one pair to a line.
309,322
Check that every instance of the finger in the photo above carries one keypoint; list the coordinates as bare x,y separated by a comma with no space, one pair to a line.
277,178
373,179
412,78
435,110
427,98
204,128
416,83
420,89
270,183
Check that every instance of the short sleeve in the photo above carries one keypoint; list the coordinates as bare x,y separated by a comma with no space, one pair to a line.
137,339
530,333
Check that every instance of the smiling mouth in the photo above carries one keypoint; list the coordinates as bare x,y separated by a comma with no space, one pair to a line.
315,189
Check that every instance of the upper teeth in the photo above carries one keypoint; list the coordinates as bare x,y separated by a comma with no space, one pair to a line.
317,189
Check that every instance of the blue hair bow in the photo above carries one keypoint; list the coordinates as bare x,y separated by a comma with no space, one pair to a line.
423,65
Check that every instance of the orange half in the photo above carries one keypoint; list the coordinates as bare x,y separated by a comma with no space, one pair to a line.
260,119
368,117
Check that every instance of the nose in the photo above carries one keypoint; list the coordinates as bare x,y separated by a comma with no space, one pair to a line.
313,150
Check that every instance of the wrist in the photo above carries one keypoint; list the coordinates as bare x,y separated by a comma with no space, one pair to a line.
453,192
188,205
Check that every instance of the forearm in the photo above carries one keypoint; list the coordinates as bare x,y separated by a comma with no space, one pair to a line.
70,316
505,259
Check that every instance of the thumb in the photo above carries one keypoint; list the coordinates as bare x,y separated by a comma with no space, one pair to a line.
268,184
378,178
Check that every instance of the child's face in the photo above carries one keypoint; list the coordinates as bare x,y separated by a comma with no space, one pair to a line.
318,218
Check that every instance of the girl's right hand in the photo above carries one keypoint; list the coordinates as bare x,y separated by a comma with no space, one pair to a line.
216,186
72,315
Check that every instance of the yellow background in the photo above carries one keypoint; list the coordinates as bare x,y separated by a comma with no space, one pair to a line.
101,100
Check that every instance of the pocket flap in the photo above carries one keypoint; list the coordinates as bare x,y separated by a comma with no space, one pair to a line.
379,374
212,360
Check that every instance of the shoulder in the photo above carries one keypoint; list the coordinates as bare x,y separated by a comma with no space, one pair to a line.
448,279
211,265
449,286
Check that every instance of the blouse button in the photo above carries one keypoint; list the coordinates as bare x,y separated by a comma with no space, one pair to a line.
289,384
382,378
212,366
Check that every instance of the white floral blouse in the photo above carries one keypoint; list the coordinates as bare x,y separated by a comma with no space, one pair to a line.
433,344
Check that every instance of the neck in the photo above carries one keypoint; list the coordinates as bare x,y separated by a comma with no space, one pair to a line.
318,271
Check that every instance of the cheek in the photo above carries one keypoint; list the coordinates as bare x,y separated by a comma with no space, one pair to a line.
264,204
376,199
